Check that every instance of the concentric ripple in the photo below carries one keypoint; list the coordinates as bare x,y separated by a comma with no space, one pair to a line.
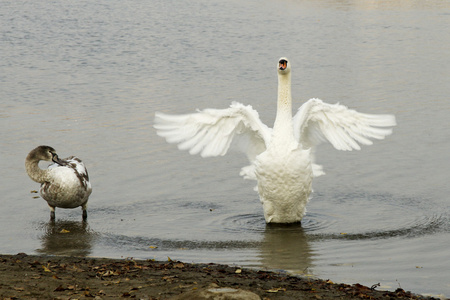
244,223
365,216
346,217
353,216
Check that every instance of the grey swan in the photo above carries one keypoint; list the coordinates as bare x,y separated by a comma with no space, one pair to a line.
64,184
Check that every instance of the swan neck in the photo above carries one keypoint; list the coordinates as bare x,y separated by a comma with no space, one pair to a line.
284,93
284,104
33,170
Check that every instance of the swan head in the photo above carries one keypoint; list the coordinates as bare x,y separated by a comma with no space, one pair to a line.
284,66
46,153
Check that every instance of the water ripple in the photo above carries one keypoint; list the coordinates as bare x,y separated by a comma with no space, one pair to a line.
244,223
352,218
346,217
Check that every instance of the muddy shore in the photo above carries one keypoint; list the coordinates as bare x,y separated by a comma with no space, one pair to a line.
25,276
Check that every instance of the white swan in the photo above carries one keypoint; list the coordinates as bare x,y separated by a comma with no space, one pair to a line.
281,159
64,184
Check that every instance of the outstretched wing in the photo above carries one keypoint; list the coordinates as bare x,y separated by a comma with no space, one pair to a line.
317,122
210,132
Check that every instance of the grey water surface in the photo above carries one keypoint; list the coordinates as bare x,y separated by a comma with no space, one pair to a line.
86,77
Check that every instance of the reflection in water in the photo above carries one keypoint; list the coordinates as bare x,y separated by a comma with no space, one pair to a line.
72,238
279,247
286,247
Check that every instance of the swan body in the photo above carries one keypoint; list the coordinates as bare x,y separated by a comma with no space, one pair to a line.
64,184
282,158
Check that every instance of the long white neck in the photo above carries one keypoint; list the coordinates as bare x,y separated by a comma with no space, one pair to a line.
35,173
283,122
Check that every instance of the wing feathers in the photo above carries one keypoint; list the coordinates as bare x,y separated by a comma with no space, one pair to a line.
316,122
210,132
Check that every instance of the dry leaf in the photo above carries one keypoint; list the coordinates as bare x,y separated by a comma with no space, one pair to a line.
238,271
111,282
88,294
276,290
64,231
59,289
110,273
46,269
153,247
19,289
168,278
178,266
76,269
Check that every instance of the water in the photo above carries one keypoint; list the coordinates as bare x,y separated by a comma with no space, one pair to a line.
86,78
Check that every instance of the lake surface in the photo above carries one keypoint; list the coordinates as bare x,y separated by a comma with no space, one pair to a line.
87,77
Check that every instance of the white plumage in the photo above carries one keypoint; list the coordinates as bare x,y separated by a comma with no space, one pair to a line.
64,184
281,159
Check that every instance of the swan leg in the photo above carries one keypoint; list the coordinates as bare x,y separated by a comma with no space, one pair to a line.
52,213
84,208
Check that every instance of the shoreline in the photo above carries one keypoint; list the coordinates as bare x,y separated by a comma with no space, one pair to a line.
25,276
